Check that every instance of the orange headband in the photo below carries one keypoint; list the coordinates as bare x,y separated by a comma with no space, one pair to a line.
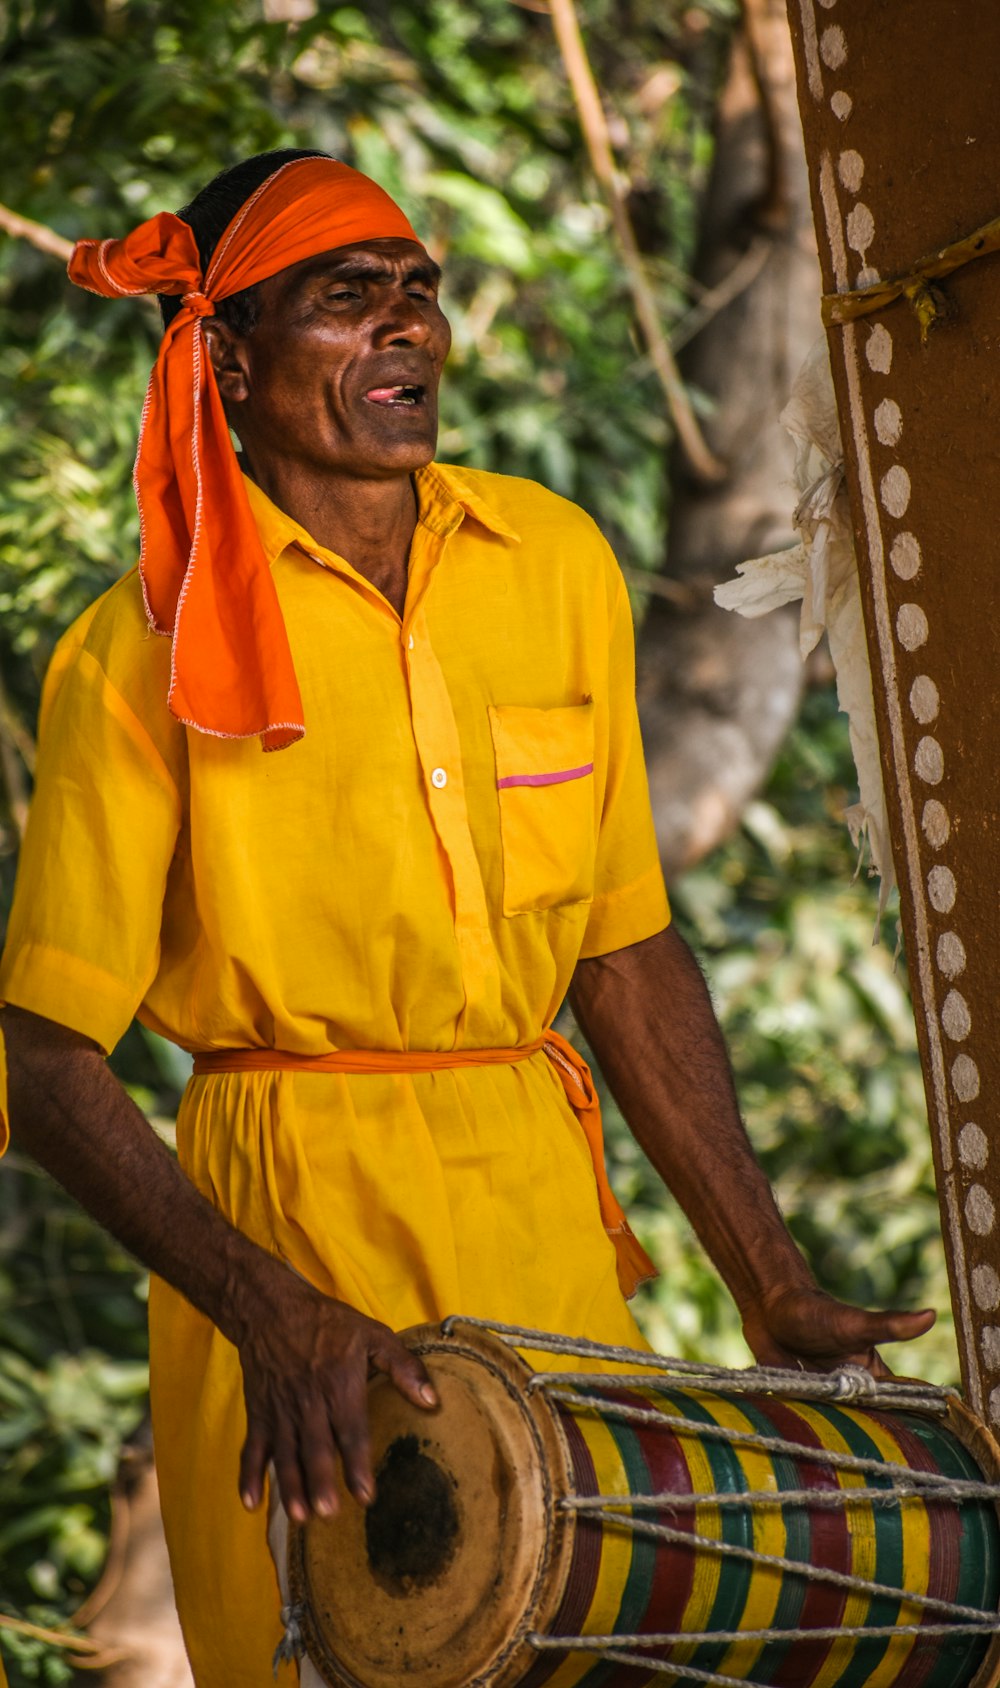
204,574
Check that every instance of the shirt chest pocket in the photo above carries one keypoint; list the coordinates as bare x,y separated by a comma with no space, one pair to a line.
545,788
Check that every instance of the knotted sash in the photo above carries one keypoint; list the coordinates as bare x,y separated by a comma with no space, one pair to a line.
633,1263
204,575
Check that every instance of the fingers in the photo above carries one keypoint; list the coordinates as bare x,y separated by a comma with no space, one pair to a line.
253,1464
406,1371
858,1329
349,1416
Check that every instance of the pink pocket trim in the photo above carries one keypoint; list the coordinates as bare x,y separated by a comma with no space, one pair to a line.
559,778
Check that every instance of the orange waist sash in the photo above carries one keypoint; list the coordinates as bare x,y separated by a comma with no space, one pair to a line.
634,1264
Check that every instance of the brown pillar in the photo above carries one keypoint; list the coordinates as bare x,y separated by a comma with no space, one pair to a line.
899,109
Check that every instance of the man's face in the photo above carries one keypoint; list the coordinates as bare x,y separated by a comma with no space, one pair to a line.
341,372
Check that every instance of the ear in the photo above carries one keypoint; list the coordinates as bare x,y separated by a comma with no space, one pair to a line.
227,351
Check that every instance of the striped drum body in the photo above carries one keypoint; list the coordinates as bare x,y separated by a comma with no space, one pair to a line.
623,1583
615,1526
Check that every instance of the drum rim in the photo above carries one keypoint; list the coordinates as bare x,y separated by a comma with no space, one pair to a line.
506,1666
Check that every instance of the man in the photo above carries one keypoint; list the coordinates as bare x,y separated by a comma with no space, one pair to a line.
365,934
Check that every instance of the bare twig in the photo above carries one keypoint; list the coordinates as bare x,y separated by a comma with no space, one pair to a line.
715,299
45,239
88,1654
594,124
685,594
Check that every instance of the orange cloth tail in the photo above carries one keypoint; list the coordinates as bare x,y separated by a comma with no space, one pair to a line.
634,1265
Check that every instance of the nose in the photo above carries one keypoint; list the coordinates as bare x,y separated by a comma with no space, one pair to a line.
402,320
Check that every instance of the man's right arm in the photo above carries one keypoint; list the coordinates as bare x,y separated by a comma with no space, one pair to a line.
306,1358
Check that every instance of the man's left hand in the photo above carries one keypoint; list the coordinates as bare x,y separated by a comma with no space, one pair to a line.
798,1326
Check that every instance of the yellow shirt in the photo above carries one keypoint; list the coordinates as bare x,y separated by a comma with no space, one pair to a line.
370,886
465,818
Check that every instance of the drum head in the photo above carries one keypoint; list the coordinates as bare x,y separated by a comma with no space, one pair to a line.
463,1551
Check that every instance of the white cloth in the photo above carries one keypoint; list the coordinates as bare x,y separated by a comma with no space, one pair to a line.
822,571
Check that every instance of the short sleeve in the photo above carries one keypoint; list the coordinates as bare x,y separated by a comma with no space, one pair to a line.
82,945
630,899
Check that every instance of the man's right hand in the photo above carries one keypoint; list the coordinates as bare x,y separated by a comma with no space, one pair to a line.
306,1363
306,1358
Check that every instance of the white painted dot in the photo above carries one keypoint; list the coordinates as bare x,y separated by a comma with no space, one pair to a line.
860,230
888,421
895,490
878,350
867,276
928,761
904,555
973,1146
965,1078
979,1210
911,627
950,955
828,5
936,823
925,699
990,1342
841,105
851,169
833,47
986,1290
439,778
955,1017
942,889
995,1405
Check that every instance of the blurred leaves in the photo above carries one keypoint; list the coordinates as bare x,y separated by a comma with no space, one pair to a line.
822,1038
114,109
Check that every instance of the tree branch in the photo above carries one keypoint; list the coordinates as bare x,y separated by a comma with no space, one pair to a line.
45,239
704,464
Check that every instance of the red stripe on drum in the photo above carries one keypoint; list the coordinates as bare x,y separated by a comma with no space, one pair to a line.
585,1563
673,1576
830,1546
944,1548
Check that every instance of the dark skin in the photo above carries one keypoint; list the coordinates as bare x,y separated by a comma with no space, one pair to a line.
334,398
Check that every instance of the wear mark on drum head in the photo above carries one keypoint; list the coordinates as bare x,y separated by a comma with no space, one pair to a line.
412,1527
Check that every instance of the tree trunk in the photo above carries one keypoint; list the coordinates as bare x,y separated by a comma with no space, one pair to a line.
140,1614
717,693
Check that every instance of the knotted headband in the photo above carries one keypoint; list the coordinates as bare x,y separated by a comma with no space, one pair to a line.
204,575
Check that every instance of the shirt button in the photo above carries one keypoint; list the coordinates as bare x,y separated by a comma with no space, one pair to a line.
439,778
410,642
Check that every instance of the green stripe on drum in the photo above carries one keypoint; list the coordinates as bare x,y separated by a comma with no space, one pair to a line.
736,1527
788,1474
639,1582
972,1553
888,1529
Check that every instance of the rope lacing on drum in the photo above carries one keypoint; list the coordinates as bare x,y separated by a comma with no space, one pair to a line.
847,1383
655,1376
609,1647
293,1643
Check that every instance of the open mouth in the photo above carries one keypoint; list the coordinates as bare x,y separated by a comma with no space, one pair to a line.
397,398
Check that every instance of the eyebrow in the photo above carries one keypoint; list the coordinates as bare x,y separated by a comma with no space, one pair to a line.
374,269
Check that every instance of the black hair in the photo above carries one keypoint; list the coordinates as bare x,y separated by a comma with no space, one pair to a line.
209,215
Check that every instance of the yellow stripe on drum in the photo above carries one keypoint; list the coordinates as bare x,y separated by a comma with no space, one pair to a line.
769,1536
616,1547
916,1555
707,1522
862,1547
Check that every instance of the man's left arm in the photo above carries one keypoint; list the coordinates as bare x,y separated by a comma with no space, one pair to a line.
646,1013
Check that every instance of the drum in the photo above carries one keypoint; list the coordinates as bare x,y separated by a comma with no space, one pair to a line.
639,1519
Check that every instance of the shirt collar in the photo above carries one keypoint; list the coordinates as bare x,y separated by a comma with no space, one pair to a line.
443,497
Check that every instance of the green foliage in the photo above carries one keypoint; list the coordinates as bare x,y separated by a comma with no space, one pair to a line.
114,109
823,1043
